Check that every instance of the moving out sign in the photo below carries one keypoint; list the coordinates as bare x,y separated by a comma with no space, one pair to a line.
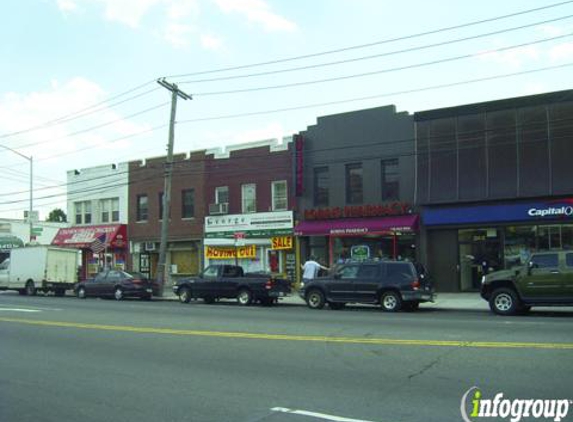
283,242
230,253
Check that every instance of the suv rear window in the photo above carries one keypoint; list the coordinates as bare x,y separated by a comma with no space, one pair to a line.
546,260
397,271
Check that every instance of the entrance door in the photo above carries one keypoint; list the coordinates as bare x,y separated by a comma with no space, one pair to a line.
480,252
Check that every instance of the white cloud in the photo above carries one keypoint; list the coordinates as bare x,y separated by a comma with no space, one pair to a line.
514,58
182,9
128,12
211,42
257,11
561,51
178,35
67,5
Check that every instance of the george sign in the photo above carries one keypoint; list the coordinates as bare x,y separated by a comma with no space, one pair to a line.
213,252
358,211
283,242
261,225
37,230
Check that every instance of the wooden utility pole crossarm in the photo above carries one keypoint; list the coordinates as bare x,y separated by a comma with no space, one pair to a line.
161,267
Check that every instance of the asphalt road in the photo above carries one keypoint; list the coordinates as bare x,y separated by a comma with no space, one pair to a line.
65,359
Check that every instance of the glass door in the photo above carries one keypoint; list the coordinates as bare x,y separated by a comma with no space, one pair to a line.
480,252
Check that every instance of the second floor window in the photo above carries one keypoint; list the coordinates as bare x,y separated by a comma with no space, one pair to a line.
83,212
279,195
249,198
142,208
109,210
321,182
390,180
188,203
354,183
222,195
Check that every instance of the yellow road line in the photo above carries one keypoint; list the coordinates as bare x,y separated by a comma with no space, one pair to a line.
288,337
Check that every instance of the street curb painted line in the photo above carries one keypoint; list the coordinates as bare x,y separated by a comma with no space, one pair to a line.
287,337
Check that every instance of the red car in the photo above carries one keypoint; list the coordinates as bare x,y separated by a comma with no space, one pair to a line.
117,284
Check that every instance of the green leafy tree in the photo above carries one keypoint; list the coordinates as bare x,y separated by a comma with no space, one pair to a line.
57,216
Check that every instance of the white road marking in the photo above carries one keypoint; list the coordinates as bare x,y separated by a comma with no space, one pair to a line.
322,416
19,310
34,308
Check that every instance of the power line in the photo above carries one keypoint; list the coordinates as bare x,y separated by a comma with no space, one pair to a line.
372,44
377,72
390,53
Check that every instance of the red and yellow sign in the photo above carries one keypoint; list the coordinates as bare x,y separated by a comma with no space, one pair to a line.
213,252
283,242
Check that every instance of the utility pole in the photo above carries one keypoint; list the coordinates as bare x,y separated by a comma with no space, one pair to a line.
161,267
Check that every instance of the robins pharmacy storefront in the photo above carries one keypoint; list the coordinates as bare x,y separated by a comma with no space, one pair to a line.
465,242
336,234
257,242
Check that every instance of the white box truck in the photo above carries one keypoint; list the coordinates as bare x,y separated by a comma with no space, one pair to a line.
39,268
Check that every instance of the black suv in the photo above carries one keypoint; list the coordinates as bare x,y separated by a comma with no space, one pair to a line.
392,284
546,279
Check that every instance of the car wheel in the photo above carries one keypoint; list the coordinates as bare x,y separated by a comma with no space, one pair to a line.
391,301
30,289
81,293
504,301
336,306
245,297
118,293
315,299
184,295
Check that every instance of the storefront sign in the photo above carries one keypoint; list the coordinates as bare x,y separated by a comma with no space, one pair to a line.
212,252
256,225
360,252
298,165
82,237
283,242
358,226
554,210
358,211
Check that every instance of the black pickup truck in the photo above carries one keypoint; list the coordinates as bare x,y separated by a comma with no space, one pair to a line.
230,282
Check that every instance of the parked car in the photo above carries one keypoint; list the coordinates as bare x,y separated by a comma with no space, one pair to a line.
545,280
230,282
116,284
394,285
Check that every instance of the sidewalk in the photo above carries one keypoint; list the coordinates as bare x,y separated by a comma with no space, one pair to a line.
459,301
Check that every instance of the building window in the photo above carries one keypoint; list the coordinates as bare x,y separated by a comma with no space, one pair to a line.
142,208
78,212
390,180
222,195
83,212
354,183
249,198
187,203
279,195
104,207
115,210
321,182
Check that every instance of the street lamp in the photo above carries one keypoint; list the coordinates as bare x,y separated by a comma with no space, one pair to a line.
31,160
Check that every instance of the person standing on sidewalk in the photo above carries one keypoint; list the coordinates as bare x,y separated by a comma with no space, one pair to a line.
310,269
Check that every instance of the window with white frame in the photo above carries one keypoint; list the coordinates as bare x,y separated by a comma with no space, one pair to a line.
222,195
83,212
109,210
115,210
279,195
249,198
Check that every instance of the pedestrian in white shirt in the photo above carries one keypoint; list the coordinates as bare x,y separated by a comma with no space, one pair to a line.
310,269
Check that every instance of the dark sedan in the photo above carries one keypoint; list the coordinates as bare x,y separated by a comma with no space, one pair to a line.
116,284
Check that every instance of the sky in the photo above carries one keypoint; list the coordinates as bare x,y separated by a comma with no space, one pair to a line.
78,77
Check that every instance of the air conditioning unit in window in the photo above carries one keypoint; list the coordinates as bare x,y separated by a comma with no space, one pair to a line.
149,246
221,208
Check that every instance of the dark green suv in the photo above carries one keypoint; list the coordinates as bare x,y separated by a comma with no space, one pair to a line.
546,280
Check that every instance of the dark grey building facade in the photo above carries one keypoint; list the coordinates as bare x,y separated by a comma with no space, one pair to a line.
494,181
354,185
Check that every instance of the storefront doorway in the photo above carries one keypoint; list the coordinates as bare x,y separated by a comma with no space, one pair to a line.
480,252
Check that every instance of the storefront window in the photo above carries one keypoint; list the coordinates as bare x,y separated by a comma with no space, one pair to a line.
567,236
479,253
519,243
319,248
389,246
